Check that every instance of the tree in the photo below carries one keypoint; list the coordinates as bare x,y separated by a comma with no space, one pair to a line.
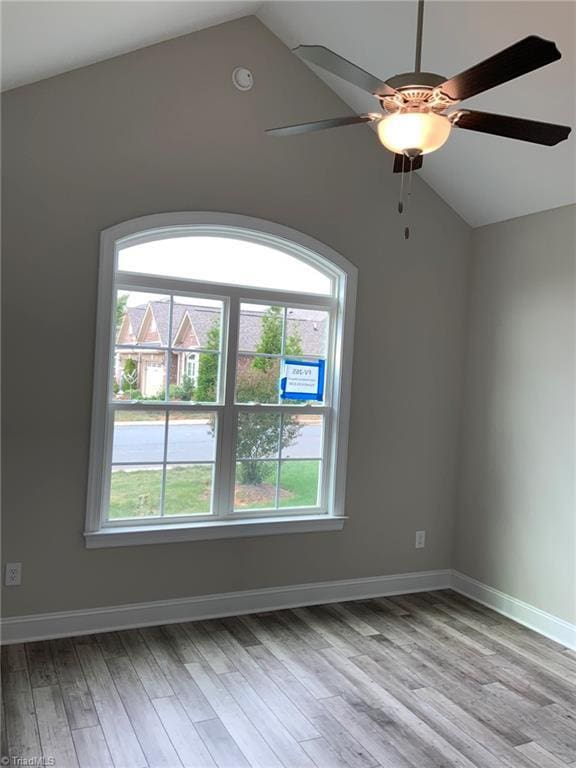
121,302
256,382
258,434
294,344
270,338
254,385
208,367
258,437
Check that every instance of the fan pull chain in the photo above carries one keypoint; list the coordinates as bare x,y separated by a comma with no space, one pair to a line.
401,207
401,201
409,200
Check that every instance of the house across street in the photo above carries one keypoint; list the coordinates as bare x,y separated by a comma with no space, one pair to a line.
148,325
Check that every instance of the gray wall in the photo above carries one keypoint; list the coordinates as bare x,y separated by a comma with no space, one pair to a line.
163,129
516,522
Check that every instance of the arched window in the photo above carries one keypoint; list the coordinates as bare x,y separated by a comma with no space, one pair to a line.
222,381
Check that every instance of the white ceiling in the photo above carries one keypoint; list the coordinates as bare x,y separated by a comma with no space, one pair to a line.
42,38
484,178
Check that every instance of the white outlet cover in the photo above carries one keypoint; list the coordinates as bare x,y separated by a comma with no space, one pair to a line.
420,541
13,574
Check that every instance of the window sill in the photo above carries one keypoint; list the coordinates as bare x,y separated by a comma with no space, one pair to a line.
230,529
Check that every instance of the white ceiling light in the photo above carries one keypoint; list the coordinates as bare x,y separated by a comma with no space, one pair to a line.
414,133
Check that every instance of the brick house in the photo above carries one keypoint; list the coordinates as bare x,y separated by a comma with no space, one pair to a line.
149,325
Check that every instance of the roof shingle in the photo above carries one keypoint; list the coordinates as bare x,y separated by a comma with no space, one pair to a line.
309,325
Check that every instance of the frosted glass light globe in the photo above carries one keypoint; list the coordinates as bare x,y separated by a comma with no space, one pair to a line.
422,131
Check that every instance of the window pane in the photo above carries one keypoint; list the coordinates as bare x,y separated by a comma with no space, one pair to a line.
194,376
142,318
302,437
135,492
139,374
224,260
191,436
138,436
256,483
196,323
188,490
299,482
306,332
257,379
261,328
258,436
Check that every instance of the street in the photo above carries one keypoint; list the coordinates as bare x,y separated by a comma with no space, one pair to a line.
144,442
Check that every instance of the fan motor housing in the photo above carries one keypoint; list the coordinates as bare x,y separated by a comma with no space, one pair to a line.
416,91
415,79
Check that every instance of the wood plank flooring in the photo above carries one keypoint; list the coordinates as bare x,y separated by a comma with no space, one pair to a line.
420,681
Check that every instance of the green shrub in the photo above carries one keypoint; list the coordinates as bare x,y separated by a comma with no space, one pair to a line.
129,380
208,368
182,391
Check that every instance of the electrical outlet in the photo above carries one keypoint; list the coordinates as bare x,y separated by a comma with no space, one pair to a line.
13,574
420,541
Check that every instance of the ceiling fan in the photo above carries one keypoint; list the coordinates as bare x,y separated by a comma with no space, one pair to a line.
415,117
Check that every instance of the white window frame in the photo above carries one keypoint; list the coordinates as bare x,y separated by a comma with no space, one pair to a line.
341,305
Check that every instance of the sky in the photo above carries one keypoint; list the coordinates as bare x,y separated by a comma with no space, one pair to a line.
224,260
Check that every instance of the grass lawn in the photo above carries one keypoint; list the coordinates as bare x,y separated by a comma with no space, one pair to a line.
300,480
136,493
298,487
158,416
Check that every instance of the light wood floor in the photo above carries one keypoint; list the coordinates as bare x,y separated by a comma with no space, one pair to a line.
419,681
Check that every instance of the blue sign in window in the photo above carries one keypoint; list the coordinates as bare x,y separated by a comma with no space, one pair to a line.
302,380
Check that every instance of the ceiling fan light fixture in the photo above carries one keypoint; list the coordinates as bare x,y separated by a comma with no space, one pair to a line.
414,132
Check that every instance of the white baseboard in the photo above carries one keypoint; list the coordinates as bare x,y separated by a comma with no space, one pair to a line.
544,623
49,625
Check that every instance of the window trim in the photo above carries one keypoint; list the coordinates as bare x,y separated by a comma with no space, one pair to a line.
342,303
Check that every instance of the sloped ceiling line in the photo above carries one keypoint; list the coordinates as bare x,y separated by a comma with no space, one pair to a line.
484,178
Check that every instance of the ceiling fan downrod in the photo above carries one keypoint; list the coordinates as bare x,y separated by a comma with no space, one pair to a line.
410,156
414,118
419,31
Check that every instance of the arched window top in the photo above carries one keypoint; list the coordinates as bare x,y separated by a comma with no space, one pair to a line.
228,255
222,381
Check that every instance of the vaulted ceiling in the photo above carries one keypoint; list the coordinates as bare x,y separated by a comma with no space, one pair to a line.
483,178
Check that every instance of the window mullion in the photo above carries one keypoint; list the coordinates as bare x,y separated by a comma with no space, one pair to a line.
288,409
225,464
279,466
133,281
107,465
164,457
168,366
282,355
284,321
326,461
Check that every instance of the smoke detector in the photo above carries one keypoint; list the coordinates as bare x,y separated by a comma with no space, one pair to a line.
242,78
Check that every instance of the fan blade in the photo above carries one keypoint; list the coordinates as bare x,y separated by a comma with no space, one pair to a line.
511,127
320,125
332,62
402,163
524,56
